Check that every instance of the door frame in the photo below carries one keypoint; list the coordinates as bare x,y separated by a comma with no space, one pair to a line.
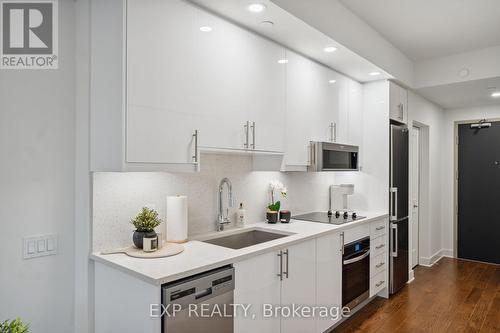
423,182
419,181
455,176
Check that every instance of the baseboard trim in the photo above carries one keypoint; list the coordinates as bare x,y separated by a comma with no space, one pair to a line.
429,261
411,276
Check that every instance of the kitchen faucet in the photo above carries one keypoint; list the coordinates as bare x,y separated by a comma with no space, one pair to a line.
221,219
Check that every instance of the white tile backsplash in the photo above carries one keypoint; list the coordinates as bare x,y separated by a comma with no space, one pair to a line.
117,197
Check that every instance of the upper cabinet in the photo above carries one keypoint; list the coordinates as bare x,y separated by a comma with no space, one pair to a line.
322,105
188,72
398,100
184,81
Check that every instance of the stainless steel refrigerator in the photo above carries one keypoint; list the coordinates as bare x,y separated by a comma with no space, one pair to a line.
398,207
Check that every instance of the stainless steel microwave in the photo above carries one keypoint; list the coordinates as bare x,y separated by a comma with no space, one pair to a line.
329,156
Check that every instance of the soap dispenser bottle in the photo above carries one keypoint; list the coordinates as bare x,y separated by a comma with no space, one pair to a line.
241,215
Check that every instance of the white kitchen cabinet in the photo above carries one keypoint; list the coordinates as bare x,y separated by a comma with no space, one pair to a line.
161,114
258,282
313,104
299,285
181,79
398,100
379,258
328,278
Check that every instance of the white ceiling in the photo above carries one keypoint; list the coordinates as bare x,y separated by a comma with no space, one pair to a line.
295,34
424,29
463,94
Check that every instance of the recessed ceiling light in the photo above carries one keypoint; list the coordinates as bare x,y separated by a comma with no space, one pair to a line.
464,72
330,49
206,28
283,61
332,81
495,94
374,73
256,7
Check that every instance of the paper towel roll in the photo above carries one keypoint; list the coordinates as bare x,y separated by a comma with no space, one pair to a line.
177,219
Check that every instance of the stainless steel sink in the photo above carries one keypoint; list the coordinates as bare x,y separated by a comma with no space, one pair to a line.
245,239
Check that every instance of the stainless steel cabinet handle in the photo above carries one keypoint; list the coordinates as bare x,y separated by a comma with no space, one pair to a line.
379,284
380,265
286,262
380,228
380,246
353,260
280,274
333,132
394,243
247,128
342,242
253,134
195,138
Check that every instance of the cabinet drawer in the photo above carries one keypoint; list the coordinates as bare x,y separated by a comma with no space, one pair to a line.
378,264
377,283
356,233
378,228
378,245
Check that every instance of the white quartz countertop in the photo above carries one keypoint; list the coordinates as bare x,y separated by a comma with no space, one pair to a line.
199,256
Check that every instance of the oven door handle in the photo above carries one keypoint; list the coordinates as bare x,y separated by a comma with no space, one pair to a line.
353,260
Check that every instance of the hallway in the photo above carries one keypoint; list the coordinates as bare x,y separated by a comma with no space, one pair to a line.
451,296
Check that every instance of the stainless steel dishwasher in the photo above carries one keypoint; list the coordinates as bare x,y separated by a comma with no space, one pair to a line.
201,303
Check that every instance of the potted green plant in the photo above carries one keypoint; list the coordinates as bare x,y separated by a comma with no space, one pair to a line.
145,222
273,208
14,326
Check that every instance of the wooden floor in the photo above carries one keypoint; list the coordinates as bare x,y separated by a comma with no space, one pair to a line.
451,296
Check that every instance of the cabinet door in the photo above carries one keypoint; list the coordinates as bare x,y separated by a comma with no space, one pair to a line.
326,104
328,278
299,285
266,86
160,108
221,70
312,105
395,111
257,283
403,98
299,86
398,99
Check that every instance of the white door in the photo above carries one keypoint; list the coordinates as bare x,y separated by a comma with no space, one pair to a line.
328,278
257,283
299,285
415,190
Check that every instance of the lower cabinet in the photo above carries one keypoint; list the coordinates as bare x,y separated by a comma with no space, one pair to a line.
379,270
328,278
272,283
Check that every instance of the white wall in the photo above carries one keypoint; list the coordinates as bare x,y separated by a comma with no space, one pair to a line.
451,116
426,113
37,127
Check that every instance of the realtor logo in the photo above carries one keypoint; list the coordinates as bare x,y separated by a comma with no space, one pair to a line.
29,34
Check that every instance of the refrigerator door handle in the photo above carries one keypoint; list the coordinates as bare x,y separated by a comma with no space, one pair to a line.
394,241
393,203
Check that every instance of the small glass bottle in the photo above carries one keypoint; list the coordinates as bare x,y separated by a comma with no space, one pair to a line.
241,215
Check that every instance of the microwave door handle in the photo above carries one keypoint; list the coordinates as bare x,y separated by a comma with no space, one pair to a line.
359,258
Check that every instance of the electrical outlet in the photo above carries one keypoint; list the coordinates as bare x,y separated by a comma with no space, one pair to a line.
39,246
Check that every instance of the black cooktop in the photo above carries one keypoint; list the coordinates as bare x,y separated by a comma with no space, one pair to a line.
324,217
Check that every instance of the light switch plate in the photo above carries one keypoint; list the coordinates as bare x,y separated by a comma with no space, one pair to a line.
38,246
